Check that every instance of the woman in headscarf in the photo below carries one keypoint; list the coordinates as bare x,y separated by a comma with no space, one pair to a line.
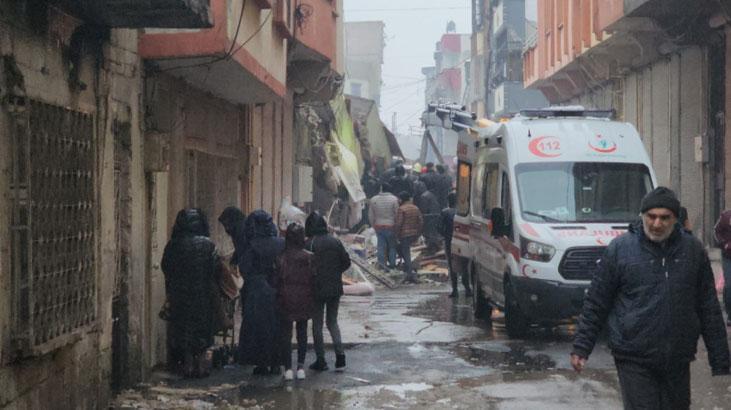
258,342
191,265
234,221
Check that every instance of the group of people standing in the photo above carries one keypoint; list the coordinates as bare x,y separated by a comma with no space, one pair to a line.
403,207
286,282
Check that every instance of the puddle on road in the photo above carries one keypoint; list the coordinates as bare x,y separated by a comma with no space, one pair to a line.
289,397
443,309
402,389
493,348
505,356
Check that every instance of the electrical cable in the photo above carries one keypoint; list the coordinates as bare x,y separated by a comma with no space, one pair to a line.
251,37
406,9
225,56
238,27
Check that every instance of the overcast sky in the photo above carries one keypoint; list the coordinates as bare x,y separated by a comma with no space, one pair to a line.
412,29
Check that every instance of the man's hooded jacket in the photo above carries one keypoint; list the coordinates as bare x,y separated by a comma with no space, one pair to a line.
330,260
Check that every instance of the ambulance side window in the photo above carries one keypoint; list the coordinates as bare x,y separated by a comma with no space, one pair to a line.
479,175
489,190
464,184
506,204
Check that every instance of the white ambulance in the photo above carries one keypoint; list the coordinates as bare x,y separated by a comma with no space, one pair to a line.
549,190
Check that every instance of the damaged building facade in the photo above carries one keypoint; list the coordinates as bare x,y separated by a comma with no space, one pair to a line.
114,116
339,135
662,66
74,313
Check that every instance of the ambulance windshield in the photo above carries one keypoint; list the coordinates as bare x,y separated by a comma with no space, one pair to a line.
581,191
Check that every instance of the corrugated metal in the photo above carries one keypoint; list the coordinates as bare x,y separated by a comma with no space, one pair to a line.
660,119
288,148
674,114
667,104
277,150
644,118
256,174
692,184
630,99
268,164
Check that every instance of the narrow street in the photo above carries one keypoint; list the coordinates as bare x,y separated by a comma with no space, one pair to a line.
158,155
413,347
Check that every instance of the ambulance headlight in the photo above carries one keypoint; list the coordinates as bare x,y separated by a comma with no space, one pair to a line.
536,251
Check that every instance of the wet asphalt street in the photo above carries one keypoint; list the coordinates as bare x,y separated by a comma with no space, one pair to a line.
414,347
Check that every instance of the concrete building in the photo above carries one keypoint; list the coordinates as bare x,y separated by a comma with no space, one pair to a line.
74,307
476,99
446,82
500,32
662,66
364,44
107,131
220,110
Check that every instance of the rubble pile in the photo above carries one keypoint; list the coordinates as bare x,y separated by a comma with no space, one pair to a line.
431,267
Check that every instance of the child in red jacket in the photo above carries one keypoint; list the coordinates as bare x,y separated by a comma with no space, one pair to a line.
294,283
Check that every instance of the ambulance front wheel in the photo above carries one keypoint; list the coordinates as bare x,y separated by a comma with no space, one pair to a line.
516,322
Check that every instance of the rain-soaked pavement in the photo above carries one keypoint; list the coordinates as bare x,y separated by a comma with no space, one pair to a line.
414,347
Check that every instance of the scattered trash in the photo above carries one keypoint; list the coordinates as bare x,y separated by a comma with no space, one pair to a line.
355,283
358,379
289,213
372,271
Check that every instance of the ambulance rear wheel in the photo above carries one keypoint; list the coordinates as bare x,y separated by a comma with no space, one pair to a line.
516,322
480,305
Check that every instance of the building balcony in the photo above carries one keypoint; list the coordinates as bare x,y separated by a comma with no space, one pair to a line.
142,13
313,60
595,41
242,58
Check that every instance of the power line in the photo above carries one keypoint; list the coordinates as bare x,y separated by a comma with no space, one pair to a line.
238,27
405,9
226,56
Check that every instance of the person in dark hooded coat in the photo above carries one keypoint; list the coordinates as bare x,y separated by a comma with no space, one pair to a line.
258,342
233,221
430,178
428,204
391,171
331,260
400,182
442,186
191,264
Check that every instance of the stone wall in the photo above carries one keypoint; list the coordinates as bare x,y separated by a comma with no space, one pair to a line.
65,64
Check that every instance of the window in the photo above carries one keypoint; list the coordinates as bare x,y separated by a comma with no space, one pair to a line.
488,192
356,89
506,204
464,177
53,227
582,191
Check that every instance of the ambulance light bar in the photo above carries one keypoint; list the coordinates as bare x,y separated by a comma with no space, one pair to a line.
567,111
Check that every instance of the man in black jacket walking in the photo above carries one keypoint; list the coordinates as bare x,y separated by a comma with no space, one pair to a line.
330,261
654,288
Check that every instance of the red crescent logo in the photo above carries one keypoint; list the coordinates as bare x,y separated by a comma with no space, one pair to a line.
545,147
524,268
605,145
